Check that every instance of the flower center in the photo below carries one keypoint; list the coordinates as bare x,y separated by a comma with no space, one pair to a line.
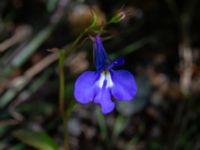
105,77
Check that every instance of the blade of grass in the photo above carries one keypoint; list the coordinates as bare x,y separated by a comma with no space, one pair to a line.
22,81
25,53
37,139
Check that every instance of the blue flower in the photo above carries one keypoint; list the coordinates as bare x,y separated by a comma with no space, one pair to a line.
101,85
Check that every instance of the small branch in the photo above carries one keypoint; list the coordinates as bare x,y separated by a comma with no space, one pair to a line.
21,33
19,83
41,65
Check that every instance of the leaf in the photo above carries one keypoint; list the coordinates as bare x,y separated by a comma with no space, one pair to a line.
13,91
120,124
36,139
33,45
94,20
132,47
28,50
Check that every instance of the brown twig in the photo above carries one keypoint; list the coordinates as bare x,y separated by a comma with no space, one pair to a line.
21,33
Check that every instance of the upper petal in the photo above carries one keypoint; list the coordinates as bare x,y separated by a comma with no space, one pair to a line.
117,62
101,57
124,87
84,90
103,98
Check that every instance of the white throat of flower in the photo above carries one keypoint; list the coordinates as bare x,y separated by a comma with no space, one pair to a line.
105,76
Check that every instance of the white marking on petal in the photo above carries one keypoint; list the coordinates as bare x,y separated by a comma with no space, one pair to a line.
105,76
101,80
109,82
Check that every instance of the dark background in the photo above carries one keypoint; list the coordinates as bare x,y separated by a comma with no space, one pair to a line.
160,40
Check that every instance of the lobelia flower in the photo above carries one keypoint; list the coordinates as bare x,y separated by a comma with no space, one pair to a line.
100,85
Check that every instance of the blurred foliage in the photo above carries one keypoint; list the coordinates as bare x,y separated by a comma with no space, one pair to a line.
37,139
160,42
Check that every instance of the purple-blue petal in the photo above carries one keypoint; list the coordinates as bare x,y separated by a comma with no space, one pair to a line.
117,62
84,91
103,98
101,57
124,87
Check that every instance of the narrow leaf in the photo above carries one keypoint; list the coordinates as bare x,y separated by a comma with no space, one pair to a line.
36,139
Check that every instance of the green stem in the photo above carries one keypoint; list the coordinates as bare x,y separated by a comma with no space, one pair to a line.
62,82
62,55
62,98
66,143
65,116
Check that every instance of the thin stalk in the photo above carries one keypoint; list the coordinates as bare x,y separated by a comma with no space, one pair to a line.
62,82
62,98
62,55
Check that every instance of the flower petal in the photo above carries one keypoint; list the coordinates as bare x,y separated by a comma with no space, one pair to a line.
117,62
101,57
124,87
84,90
103,98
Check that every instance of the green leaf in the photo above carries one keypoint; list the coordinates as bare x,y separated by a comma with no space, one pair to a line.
28,50
120,124
130,48
13,91
94,20
36,139
33,45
